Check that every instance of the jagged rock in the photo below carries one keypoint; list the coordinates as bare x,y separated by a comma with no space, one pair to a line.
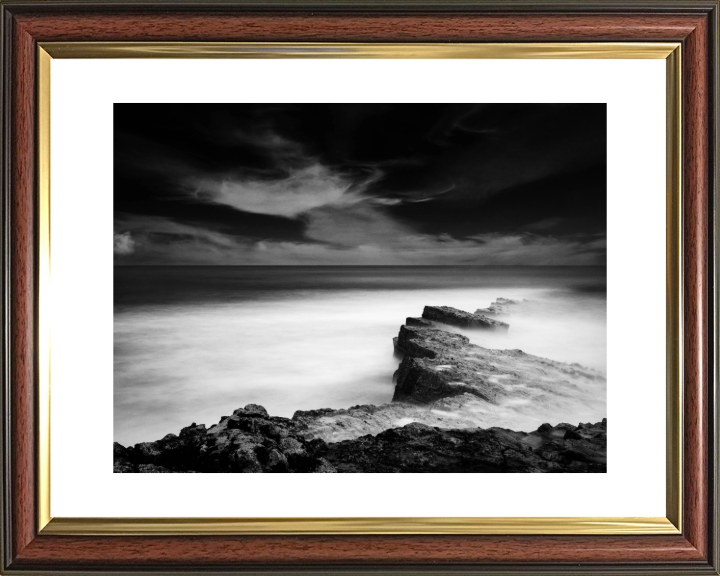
121,459
414,447
501,306
455,317
326,467
120,466
572,435
277,461
248,441
420,448
254,410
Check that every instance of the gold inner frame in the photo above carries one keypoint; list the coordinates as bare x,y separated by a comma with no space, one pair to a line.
671,524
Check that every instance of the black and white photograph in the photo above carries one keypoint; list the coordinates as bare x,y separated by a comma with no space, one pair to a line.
349,288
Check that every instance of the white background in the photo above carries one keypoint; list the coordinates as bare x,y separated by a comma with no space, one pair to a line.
83,92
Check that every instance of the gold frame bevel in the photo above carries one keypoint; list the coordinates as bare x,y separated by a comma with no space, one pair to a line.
671,524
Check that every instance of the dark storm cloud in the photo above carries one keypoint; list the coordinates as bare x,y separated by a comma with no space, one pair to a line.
360,184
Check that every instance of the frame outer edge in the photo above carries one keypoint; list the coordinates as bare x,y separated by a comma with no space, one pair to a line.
714,265
5,153
373,6
5,141
697,366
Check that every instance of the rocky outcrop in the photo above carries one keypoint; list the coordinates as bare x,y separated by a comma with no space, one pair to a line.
248,441
439,364
252,441
420,448
450,398
445,381
502,306
462,319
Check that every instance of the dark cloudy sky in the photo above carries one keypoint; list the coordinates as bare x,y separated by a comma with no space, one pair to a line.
360,184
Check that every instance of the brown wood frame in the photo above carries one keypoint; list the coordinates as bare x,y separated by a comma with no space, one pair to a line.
24,24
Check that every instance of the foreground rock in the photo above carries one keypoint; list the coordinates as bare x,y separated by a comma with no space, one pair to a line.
501,306
421,448
248,441
460,318
252,441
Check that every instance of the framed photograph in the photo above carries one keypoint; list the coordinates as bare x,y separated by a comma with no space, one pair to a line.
365,287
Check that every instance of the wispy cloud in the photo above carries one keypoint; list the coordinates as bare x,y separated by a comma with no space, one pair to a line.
123,244
303,189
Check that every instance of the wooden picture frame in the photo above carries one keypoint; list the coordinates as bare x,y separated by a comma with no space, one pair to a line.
686,541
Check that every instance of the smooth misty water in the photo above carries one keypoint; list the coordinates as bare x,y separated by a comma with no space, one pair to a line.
194,343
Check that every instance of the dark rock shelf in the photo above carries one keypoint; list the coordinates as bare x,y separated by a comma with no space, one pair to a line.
251,442
462,319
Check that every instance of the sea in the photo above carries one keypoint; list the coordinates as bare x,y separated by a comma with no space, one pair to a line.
193,343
